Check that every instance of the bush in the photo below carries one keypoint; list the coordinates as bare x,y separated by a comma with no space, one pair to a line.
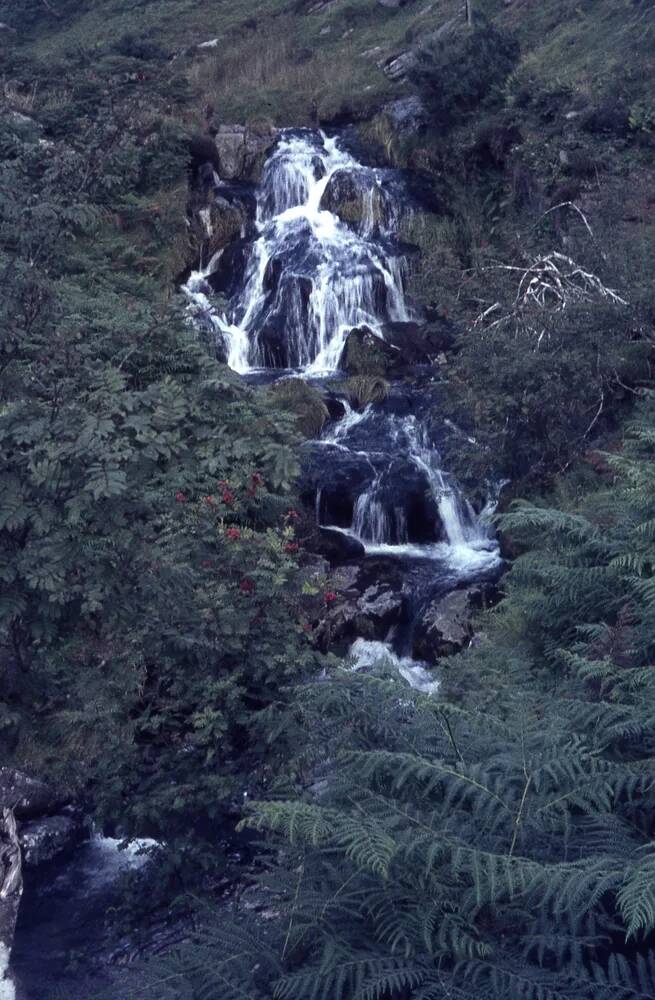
456,73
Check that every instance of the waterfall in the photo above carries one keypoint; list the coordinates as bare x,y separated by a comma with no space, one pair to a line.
382,519
310,277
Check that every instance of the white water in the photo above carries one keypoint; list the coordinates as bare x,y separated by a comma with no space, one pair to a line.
330,279
384,529
366,653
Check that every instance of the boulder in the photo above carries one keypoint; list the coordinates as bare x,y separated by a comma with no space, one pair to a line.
445,626
354,196
214,225
243,151
408,115
338,547
365,353
11,890
27,797
381,607
303,400
43,839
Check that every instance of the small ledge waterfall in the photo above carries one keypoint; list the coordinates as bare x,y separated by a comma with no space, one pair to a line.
325,259
310,277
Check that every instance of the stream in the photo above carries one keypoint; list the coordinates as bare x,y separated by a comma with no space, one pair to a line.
375,476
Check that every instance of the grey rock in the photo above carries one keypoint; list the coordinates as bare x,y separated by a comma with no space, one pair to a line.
27,797
43,839
345,578
407,114
382,607
11,890
242,151
445,626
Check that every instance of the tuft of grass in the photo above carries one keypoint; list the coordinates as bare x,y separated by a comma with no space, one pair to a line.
365,389
305,402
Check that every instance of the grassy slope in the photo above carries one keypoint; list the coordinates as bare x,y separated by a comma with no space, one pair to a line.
276,58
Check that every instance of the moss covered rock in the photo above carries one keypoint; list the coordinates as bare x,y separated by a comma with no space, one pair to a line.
367,354
305,402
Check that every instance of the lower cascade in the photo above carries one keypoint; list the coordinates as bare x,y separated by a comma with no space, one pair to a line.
323,259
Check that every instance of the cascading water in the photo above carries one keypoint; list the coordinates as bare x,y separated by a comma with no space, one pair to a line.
310,277
324,259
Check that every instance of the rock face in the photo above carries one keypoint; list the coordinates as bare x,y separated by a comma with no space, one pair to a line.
242,151
43,839
370,615
11,890
445,626
27,797
47,823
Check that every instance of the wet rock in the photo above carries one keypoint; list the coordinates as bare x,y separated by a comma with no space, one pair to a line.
445,626
242,151
27,797
338,547
11,890
381,607
354,197
215,225
340,477
43,839
366,354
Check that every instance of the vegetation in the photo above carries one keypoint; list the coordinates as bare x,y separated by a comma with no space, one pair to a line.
157,607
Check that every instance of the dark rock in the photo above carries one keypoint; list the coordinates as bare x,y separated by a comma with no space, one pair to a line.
44,839
338,547
366,354
27,797
445,626
420,343
202,149
341,476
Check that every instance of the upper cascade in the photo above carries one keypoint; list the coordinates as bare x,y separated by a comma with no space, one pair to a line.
310,276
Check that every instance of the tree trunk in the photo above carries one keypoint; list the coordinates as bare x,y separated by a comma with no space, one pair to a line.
469,13
11,890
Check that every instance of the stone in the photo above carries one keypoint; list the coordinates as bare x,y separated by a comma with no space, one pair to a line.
445,626
345,578
337,546
11,890
408,115
27,797
43,839
382,607
365,353
242,151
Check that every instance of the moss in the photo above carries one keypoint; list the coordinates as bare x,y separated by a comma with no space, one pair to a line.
366,354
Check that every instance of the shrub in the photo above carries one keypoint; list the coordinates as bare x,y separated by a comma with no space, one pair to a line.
454,74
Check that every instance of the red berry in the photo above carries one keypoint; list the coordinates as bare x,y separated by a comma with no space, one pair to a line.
233,534
181,497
